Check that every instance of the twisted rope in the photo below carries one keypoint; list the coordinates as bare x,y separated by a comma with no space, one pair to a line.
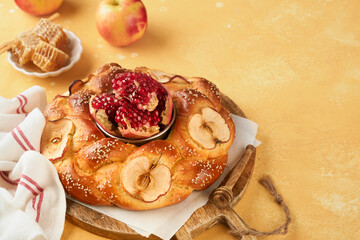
269,185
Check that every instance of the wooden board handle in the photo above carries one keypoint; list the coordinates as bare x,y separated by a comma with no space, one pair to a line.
208,216
223,196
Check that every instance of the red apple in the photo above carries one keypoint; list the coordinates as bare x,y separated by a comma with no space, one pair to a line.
121,22
39,7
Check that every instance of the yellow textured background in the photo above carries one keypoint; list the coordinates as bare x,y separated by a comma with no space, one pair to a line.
292,66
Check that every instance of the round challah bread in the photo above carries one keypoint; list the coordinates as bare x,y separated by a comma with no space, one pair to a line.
99,170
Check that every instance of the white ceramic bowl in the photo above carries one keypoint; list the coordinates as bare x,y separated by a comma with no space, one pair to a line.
74,56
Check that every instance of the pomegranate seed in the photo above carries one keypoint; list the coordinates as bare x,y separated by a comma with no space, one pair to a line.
108,103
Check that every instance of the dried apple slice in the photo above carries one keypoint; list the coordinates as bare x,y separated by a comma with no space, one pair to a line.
200,132
158,183
208,127
56,138
144,180
75,86
217,124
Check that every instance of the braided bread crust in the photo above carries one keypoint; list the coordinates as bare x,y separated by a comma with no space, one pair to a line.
105,171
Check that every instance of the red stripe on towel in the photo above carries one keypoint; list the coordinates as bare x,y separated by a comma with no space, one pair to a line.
33,203
8,180
18,140
28,188
25,138
33,182
38,209
41,195
26,101
21,103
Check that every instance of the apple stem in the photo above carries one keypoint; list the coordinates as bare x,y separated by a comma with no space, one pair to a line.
155,163
115,3
52,17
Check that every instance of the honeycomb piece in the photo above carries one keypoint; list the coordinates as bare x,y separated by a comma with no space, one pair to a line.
24,47
48,58
51,33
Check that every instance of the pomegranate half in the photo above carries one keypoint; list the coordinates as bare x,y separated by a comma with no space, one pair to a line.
138,107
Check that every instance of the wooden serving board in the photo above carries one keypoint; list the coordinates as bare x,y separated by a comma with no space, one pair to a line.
201,220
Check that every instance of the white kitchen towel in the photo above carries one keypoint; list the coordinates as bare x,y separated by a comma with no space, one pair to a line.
165,222
32,199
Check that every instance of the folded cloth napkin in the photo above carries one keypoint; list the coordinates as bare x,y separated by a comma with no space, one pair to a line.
32,199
